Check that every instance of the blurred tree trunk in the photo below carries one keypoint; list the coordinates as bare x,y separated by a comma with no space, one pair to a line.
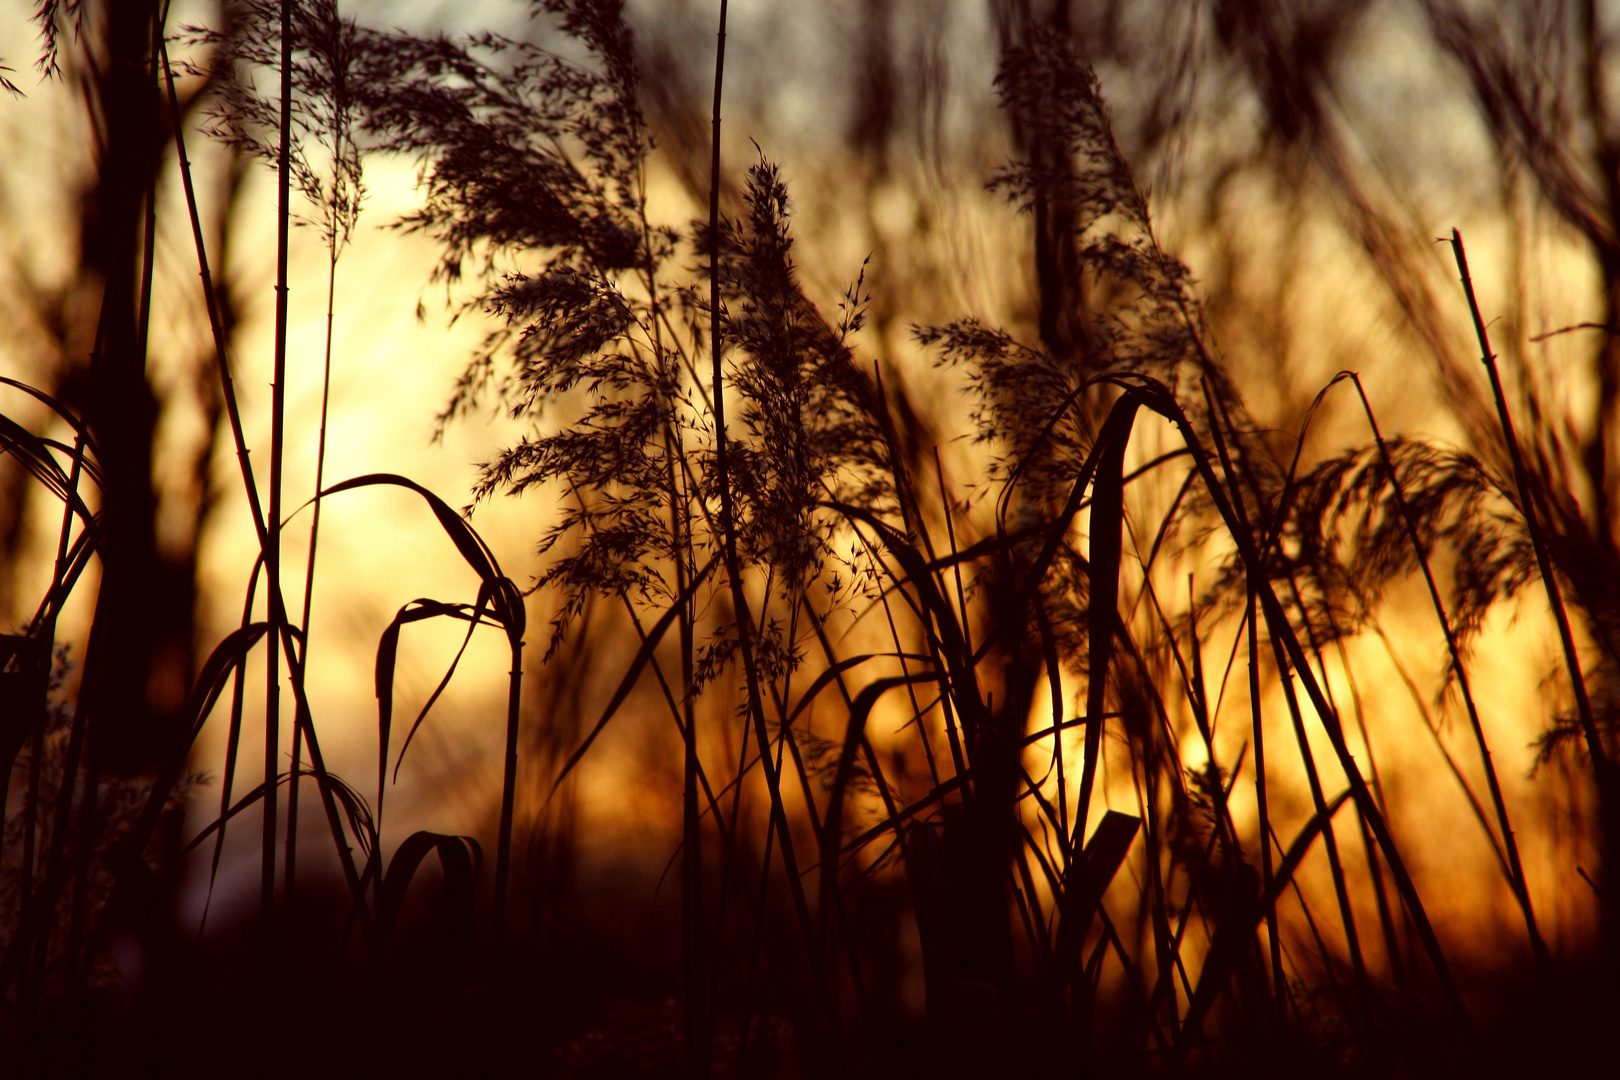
139,662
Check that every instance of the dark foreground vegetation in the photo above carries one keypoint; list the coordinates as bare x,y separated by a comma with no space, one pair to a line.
1062,761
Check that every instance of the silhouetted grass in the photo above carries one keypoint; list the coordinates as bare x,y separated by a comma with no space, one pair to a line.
787,549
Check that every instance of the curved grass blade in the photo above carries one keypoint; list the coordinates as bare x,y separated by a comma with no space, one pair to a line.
506,600
830,675
80,428
946,787
34,453
460,857
854,736
387,650
1102,612
959,682
361,821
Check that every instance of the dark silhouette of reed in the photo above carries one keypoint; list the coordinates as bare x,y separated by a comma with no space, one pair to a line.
893,706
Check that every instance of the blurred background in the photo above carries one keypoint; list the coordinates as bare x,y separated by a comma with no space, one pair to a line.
1301,158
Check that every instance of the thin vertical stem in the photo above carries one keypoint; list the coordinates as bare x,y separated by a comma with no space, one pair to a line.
290,870
211,303
1521,888
272,537
1329,844
697,1056
503,855
274,600
1521,477
1279,987
728,534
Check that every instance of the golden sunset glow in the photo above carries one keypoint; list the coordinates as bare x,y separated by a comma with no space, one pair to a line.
810,743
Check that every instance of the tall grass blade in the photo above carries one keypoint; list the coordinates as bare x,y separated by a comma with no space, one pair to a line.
1603,768
1509,845
1277,624
272,549
1102,618
1279,983
854,738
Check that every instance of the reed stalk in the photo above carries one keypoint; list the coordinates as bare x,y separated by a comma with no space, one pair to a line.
1510,846
1601,766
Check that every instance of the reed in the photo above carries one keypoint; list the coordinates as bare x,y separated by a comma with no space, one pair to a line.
765,504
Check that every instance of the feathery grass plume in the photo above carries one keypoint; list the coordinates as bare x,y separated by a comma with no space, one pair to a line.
541,161
1144,317
1036,403
1345,530
1041,409
808,413
50,16
1529,77
325,48
531,170
523,151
